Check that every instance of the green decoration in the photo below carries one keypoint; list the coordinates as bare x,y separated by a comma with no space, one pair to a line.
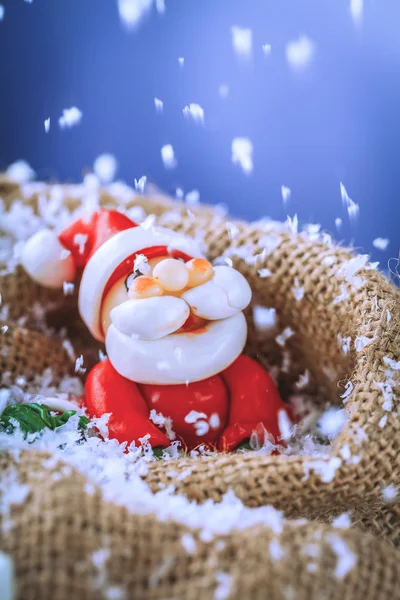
34,417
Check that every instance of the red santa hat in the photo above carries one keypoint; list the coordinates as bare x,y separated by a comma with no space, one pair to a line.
105,247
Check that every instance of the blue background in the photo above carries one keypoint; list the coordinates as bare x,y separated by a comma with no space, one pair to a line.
336,121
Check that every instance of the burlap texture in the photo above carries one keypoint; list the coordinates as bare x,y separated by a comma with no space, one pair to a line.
61,525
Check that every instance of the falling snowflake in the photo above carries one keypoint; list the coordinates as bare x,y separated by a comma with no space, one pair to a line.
353,209
380,243
160,6
47,125
267,49
300,52
131,12
242,153
181,61
105,166
70,117
357,9
286,193
168,156
223,90
242,41
2,11
346,558
20,172
159,104
140,184
79,365
195,112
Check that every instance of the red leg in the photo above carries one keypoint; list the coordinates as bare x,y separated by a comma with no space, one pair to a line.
254,401
106,391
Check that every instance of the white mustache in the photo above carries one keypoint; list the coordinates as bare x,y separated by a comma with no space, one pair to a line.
224,296
150,318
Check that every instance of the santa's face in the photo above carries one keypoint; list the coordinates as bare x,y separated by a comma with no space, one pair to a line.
173,322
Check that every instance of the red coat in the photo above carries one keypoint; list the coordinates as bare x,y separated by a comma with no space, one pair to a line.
231,405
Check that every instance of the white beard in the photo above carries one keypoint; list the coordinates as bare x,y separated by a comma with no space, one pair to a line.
178,358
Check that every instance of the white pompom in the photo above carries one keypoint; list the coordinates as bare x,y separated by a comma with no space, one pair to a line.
47,261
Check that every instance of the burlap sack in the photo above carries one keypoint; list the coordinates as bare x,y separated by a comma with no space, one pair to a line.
60,525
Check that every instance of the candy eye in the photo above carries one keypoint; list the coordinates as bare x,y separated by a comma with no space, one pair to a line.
130,279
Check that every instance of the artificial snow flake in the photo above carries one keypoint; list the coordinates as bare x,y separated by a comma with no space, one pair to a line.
181,61
70,117
263,273
242,41
79,365
383,421
105,166
47,125
362,341
275,550
293,224
6,563
348,389
344,343
332,422
195,112
68,288
389,493
395,365
352,208
80,240
356,9
100,557
224,587
326,469
214,421
298,290
286,193
242,153
300,52
388,316
168,156
329,260
343,521
267,49
223,90
20,172
159,104
284,336
344,294
194,416
380,243
189,543
141,264
2,11
338,223
131,12
264,318
140,184
346,558
192,197
160,6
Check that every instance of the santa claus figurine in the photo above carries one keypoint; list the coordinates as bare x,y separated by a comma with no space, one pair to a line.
173,328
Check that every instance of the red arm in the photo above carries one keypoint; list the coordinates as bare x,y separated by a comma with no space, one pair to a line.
106,391
254,400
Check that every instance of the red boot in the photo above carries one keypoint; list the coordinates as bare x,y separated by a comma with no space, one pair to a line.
254,402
